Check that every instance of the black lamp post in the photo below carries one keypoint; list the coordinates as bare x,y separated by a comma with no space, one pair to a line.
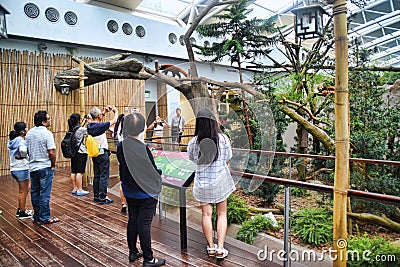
309,21
3,25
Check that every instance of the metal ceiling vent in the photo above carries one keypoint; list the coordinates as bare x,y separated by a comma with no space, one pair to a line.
70,18
172,38
112,26
182,40
140,31
31,10
127,28
52,14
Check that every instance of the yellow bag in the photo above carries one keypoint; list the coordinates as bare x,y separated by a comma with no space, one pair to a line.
92,146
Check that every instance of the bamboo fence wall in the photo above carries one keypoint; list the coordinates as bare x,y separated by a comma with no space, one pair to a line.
26,86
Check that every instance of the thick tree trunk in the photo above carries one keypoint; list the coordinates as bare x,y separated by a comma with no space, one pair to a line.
113,68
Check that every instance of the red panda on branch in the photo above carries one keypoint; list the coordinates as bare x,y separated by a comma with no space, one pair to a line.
325,90
175,70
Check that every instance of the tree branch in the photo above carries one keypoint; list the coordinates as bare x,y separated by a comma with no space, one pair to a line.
318,133
371,218
303,108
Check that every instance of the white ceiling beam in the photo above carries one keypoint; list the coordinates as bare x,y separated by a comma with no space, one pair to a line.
375,24
126,4
384,39
386,52
391,63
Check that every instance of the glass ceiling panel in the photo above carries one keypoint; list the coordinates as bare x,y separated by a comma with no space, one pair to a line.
170,7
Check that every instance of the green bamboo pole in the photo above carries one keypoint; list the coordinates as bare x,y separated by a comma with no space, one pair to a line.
342,133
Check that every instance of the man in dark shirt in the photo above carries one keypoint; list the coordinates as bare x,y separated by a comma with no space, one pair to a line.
101,163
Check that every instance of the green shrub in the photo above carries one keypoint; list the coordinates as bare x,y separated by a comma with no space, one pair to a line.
268,192
299,192
380,252
251,227
237,210
313,226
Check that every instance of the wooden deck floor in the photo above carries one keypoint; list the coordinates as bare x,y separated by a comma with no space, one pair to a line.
90,234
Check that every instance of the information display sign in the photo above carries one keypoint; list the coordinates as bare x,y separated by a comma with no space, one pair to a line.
176,167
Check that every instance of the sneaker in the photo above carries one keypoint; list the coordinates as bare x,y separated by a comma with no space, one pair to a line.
154,263
24,215
105,200
135,255
73,192
82,193
30,212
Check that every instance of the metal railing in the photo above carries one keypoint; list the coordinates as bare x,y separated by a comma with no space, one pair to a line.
288,183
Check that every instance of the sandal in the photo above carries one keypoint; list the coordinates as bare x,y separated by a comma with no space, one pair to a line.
51,220
211,251
221,253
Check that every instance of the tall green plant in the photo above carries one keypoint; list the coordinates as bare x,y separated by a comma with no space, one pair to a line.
240,36
373,124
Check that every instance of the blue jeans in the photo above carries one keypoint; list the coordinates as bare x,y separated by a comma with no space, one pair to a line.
101,170
41,185
141,213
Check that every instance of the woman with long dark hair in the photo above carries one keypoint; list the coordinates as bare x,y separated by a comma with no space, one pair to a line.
78,162
210,149
19,166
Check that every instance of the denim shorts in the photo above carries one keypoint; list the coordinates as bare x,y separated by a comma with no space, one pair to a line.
20,176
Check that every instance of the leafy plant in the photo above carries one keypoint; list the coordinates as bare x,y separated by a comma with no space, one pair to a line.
379,252
314,226
299,192
237,210
253,226
268,191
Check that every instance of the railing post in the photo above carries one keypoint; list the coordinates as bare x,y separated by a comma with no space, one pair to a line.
287,204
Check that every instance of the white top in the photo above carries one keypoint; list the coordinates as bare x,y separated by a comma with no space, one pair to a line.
39,141
20,164
213,183
158,130
102,141
80,135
